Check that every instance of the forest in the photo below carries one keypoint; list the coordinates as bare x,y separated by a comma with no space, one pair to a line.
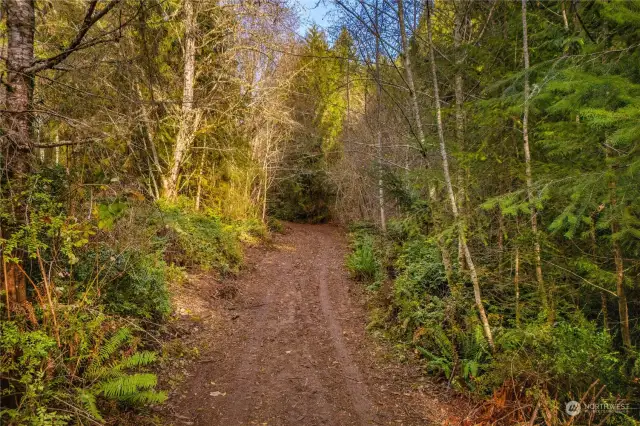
481,158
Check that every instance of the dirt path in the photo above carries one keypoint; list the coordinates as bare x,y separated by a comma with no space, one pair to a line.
285,344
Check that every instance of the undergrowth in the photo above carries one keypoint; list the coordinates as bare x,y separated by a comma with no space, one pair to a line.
417,308
78,349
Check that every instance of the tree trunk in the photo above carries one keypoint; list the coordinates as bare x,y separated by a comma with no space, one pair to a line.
199,188
408,71
447,177
188,118
528,174
20,28
516,285
383,220
623,310
565,21
442,246
459,96
152,153
622,297
265,184
17,148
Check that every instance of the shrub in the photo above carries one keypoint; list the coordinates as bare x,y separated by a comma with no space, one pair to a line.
198,239
420,285
362,262
131,282
25,357
97,361
564,359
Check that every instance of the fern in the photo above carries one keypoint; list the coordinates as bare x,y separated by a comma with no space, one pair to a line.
114,343
88,401
108,372
138,359
126,387
147,397
97,368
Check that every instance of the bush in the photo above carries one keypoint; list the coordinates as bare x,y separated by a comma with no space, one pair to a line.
95,365
131,282
420,285
362,262
71,357
419,310
564,359
198,239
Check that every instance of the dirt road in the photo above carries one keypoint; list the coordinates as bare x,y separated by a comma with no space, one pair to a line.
285,344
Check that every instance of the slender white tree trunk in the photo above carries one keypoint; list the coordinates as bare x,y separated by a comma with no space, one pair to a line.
383,220
188,118
408,70
565,21
452,199
459,96
528,174
200,172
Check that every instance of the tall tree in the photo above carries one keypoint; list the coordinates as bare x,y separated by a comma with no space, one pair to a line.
528,173
17,145
189,116
449,187
378,125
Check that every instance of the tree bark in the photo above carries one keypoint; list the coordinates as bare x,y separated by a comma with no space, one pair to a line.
199,188
442,246
447,177
459,96
149,131
623,310
516,285
565,21
408,71
188,118
17,147
383,220
528,174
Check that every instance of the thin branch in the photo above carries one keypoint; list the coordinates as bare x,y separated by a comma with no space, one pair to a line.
76,44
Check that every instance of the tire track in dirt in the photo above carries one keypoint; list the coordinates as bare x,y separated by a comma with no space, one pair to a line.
289,346
354,383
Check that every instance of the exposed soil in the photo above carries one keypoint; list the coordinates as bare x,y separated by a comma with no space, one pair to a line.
285,344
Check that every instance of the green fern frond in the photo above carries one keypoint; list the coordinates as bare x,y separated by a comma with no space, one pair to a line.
443,342
115,369
114,343
126,387
96,370
88,401
97,367
147,397
138,359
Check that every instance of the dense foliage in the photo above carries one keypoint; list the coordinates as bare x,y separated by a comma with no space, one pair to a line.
113,189
553,236
485,155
